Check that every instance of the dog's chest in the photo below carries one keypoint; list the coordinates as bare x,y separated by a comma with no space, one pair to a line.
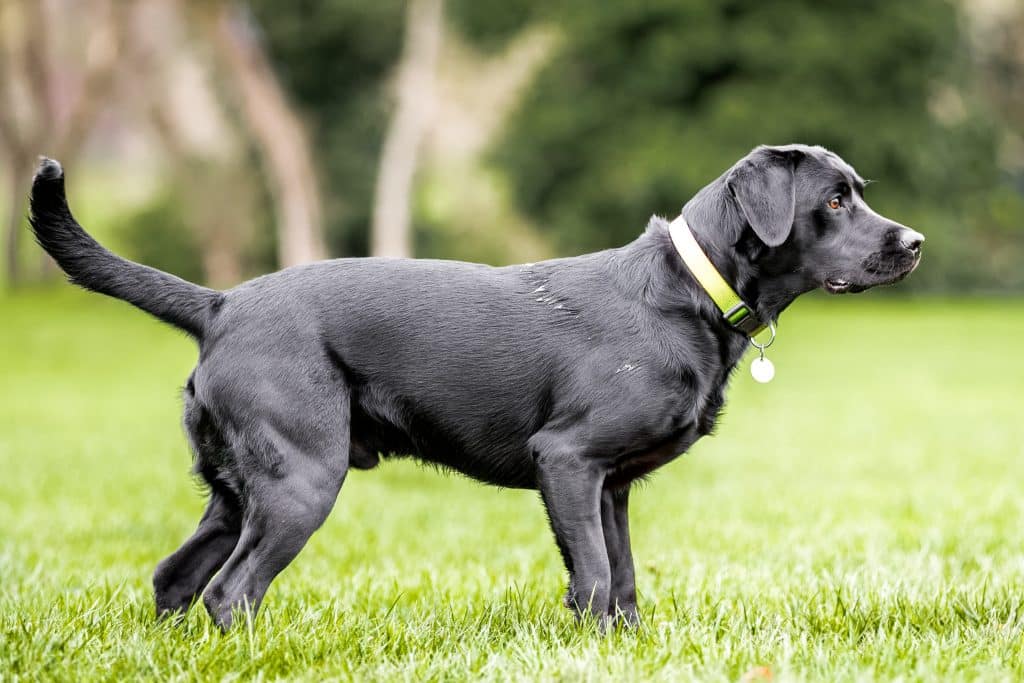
711,407
642,463
680,425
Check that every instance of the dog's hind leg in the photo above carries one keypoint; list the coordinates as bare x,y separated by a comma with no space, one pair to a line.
182,576
278,522
293,465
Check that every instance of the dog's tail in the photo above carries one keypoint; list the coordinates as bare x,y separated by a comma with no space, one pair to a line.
89,265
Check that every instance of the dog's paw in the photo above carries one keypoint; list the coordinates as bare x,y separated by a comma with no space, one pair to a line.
218,607
625,616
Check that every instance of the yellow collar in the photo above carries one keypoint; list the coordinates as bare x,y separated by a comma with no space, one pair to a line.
735,311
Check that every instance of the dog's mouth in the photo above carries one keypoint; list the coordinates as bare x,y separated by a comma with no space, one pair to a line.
835,285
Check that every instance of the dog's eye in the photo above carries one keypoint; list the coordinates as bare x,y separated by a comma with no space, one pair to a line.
835,203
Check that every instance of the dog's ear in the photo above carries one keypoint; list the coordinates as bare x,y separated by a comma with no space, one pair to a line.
763,186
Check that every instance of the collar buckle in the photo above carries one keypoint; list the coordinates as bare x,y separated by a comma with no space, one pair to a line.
743,319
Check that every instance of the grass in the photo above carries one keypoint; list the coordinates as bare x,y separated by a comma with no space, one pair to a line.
859,518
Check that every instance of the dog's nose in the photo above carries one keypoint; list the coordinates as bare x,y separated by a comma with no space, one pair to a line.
911,239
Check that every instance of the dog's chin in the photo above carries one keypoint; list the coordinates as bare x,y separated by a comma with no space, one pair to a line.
838,285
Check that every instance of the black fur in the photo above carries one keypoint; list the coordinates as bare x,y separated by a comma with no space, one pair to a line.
574,376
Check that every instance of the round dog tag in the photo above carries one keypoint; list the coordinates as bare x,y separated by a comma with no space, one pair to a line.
762,370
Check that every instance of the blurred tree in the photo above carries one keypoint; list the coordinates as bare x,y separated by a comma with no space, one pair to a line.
334,57
997,32
45,106
341,66
415,95
636,107
647,102
276,128
135,64
202,220
464,208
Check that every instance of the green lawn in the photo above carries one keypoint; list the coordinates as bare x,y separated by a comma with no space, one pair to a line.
861,517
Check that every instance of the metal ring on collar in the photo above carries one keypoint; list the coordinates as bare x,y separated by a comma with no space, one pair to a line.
762,347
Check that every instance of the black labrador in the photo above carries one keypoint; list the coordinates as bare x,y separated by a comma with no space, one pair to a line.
574,376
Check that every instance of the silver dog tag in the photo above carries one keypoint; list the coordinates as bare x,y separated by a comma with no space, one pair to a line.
762,370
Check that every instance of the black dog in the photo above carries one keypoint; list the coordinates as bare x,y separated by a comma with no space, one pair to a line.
574,376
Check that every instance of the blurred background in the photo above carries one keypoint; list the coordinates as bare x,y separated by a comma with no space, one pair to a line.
220,140
860,518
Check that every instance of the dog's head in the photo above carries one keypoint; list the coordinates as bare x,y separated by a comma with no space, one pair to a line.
806,224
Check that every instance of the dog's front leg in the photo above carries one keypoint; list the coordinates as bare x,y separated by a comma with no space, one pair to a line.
615,521
571,488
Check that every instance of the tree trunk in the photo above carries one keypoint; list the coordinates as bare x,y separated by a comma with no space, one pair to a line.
417,70
279,134
222,262
208,190
41,129
15,219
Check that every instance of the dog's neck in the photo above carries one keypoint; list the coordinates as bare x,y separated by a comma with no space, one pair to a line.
757,273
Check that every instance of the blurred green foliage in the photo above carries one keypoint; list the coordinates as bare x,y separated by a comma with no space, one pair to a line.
647,102
158,233
203,215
